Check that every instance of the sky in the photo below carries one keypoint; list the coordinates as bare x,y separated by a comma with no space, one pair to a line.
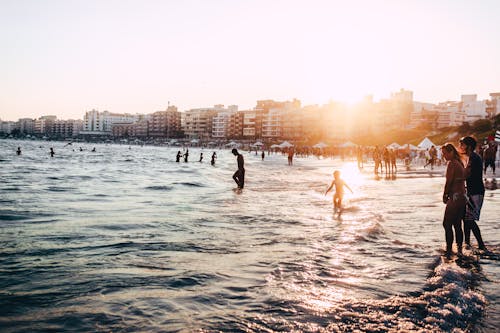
65,57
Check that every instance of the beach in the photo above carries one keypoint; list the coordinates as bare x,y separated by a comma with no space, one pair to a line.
125,239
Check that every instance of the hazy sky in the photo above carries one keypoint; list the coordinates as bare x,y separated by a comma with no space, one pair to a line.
64,57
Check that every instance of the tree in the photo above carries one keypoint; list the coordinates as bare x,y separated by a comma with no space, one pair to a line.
465,128
481,125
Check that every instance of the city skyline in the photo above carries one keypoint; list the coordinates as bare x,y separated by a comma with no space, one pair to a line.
67,57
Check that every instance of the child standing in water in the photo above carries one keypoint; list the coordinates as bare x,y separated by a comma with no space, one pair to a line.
339,191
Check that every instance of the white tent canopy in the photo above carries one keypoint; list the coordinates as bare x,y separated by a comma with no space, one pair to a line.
275,146
409,145
394,145
194,141
286,144
320,145
232,143
258,143
348,144
426,143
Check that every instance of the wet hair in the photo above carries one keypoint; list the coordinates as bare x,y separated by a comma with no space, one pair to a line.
450,148
234,151
469,141
336,173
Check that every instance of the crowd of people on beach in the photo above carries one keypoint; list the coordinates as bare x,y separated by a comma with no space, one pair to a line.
463,191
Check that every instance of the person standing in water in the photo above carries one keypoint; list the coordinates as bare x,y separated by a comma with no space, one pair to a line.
263,155
178,156
18,152
339,184
475,189
214,157
52,152
201,157
239,175
454,198
186,155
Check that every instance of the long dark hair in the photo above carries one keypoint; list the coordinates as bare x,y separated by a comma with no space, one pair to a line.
450,148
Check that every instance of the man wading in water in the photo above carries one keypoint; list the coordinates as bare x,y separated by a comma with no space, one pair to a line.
239,175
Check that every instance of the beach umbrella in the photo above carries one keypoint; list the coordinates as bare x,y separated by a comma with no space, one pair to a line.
394,145
286,144
232,144
348,144
320,145
275,146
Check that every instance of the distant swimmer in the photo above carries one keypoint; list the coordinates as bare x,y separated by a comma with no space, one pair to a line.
93,150
239,175
339,184
186,155
201,157
18,152
81,149
178,157
263,155
52,153
214,157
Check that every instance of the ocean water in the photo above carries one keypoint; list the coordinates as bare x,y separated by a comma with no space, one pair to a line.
127,240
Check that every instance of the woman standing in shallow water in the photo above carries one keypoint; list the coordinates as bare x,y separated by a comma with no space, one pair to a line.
454,198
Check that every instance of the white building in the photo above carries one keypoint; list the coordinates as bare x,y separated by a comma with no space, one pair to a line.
199,123
474,109
450,114
96,122
417,116
7,127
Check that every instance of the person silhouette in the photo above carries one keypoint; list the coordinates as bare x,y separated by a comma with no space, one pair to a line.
178,156
239,175
339,184
475,190
454,198
201,157
18,152
186,155
52,153
214,157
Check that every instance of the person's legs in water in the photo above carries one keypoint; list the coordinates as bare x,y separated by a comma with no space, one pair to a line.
236,178
453,220
459,236
472,225
472,214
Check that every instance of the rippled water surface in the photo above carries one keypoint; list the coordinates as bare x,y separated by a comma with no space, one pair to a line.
128,240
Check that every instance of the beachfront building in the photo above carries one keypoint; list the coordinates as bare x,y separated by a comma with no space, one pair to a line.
235,125
252,124
66,128
474,109
420,114
101,123
221,122
394,113
493,105
43,125
6,127
26,125
163,124
198,123
450,113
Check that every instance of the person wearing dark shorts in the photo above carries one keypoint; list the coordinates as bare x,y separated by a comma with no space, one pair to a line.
475,190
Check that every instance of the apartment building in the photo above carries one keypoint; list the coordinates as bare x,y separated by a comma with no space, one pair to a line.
165,124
